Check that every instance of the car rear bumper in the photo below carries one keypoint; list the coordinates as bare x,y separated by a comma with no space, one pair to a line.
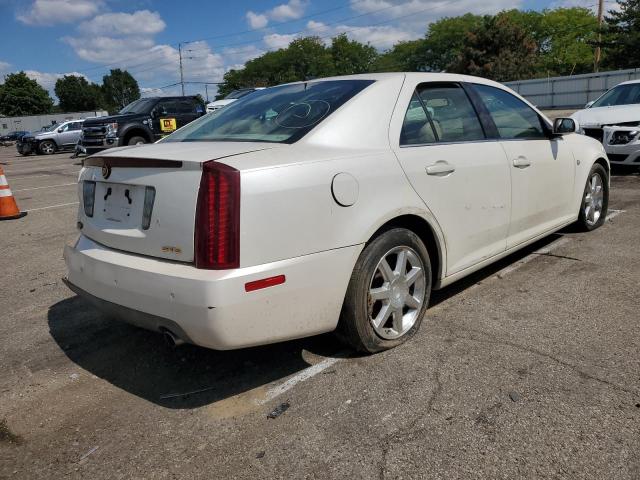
211,308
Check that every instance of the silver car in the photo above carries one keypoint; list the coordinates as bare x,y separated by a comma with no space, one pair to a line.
55,138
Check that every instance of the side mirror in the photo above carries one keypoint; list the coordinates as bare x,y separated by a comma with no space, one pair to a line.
562,126
589,104
60,130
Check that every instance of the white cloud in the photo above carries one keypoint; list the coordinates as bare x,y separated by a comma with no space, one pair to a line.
414,16
275,41
291,10
51,12
5,67
111,37
140,23
47,80
257,20
288,11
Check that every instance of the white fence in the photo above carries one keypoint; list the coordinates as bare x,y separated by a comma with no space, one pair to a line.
33,123
573,91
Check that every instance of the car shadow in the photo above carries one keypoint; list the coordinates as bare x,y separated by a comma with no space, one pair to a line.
141,363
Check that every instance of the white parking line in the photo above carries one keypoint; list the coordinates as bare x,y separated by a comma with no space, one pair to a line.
52,206
46,186
29,177
305,374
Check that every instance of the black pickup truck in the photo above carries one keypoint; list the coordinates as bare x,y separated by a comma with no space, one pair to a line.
143,121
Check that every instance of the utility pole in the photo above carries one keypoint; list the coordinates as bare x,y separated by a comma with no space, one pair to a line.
206,91
598,53
181,72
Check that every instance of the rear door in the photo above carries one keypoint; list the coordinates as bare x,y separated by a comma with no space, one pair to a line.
460,173
542,167
69,134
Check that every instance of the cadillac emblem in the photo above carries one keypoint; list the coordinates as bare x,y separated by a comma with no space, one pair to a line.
106,171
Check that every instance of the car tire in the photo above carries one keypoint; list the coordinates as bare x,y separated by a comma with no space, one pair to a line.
595,200
137,141
374,314
47,147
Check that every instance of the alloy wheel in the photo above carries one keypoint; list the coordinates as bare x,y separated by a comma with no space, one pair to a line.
396,294
593,199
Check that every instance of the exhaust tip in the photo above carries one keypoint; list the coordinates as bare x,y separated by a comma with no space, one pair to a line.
172,339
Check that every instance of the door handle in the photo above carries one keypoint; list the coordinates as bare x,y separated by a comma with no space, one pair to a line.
440,169
521,162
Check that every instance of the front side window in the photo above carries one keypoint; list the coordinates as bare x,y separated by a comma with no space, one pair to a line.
280,114
621,95
513,118
452,114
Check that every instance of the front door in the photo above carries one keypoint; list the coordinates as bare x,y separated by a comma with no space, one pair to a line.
462,176
542,167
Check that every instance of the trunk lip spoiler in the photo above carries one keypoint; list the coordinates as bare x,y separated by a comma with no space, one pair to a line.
129,162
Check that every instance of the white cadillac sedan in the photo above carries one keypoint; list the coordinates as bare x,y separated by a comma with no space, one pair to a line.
337,203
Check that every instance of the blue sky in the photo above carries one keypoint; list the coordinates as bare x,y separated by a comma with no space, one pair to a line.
48,38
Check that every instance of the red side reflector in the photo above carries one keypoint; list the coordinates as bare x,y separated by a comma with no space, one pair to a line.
264,283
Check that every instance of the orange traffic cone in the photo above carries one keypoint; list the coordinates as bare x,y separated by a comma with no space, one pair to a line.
8,206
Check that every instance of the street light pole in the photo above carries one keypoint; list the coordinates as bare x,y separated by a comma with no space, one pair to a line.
181,72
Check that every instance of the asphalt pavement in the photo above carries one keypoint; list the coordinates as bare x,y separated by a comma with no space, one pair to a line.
528,369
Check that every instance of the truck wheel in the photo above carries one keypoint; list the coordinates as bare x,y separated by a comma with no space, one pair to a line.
47,147
137,141
388,293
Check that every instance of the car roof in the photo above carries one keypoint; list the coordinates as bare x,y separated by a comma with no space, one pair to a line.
629,82
418,76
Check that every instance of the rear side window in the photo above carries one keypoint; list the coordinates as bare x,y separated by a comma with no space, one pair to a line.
417,128
514,119
452,114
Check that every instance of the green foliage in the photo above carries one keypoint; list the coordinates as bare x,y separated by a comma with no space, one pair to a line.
304,58
403,57
499,49
622,36
119,89
77,95
351,57
20,95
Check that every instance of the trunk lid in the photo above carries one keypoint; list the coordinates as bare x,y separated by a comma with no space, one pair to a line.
125,179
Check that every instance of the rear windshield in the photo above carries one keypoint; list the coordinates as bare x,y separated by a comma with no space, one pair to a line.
238,94
279,114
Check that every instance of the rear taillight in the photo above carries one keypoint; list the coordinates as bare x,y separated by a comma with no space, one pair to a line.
88,197
217,237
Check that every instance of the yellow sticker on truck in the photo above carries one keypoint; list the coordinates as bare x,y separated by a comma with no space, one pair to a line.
167,124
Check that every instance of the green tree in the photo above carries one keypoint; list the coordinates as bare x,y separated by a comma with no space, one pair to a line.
622,35
77,95
499,49
20,95
564,37
350,57
403,57
119,89
303,59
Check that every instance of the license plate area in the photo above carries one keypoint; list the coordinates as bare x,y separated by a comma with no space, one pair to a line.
120,204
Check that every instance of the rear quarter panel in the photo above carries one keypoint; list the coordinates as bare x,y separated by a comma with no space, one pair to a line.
290,211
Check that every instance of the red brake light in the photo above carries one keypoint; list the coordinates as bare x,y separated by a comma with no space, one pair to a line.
217,237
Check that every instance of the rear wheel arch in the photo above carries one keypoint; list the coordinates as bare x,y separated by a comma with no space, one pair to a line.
427,234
